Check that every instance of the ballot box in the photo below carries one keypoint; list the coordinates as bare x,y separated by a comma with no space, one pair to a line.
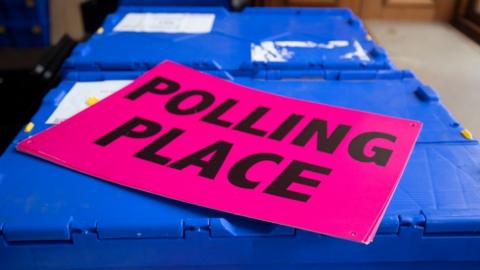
212,38
52,217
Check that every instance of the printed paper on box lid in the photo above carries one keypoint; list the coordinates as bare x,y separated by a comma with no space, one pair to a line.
192,137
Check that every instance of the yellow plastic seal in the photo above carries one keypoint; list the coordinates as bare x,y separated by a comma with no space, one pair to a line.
91,100
30,3
467,134
36,29
29,127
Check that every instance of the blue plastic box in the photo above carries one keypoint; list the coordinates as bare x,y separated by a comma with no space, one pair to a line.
55,218
390,92
4,37
25,34
3,14
254,39
26,10
26,22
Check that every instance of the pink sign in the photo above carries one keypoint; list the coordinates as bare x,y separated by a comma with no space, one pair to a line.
189,136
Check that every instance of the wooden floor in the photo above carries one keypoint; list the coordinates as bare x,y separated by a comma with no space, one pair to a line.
441,57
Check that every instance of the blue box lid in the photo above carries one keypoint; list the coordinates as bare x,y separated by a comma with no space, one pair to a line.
391,92
439,190
257,38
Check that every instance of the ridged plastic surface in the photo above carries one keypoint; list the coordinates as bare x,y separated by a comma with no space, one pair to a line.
307,39
55,218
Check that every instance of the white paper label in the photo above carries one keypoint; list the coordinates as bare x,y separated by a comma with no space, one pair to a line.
282,51
359,52
75,101
193,23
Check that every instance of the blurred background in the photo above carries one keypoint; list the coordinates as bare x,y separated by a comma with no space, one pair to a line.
434,38
415,59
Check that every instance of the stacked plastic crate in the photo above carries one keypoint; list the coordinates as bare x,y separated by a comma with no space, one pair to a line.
53,217
4,39
24,23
